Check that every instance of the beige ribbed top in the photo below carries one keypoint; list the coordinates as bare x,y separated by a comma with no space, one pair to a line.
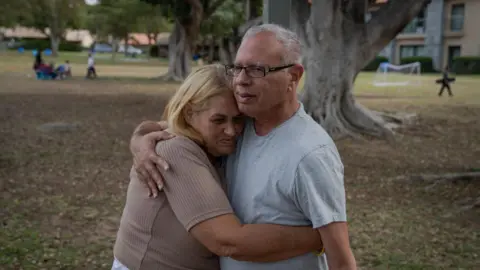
153,232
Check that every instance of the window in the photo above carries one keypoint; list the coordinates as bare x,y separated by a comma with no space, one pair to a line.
457,17
412,50
453,51
417,25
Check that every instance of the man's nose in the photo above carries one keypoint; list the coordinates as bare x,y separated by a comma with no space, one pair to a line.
242,77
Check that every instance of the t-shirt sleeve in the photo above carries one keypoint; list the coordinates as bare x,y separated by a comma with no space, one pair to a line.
190,187
319,186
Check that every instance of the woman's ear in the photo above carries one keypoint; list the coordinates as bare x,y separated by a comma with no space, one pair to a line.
187,114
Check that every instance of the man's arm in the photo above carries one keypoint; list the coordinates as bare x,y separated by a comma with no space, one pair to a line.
320,193
337,246
145,160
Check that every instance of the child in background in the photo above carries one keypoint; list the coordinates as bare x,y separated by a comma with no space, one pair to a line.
91,72
64,70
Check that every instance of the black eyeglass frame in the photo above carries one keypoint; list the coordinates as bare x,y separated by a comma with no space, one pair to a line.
266,69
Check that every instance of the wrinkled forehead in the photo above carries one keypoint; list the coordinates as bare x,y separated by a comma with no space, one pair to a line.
260,49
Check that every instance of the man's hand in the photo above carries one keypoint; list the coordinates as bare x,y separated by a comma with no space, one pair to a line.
146,162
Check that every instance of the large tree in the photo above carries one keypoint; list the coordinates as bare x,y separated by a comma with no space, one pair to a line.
117,19
220,28
338,43
51,17
187,17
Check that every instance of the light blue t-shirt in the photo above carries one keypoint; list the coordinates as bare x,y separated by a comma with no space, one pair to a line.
292,176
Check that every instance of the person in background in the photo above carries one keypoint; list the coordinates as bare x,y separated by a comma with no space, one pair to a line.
64,70
91,72
38,61
445,81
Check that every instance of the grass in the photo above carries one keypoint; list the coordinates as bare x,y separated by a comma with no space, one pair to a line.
62,194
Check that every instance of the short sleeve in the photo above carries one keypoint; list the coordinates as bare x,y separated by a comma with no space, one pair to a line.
190,186
319,186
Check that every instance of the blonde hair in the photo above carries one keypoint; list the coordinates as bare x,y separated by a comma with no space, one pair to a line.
195,92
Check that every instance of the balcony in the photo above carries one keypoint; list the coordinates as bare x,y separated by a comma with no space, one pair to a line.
417,26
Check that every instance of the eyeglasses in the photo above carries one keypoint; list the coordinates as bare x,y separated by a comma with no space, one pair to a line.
253,71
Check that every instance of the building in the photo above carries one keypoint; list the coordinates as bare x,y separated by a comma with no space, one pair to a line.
19,32
444,30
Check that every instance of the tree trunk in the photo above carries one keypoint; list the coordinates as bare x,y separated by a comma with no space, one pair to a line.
115,44
337,45
223,51
211,50
179,54
54,43
182,42
232,48
125,45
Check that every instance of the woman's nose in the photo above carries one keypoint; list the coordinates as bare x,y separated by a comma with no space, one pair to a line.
230,129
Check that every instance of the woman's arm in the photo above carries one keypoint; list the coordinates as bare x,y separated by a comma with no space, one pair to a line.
201,206
225,236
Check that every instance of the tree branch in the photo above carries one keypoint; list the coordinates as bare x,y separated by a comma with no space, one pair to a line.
388,21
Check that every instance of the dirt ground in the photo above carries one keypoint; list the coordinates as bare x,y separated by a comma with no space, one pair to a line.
62,193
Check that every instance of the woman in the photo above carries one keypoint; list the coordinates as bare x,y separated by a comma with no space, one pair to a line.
191,222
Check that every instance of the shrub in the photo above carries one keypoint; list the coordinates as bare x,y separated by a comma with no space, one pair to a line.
42,44
373,65
426,63
154,51
466,65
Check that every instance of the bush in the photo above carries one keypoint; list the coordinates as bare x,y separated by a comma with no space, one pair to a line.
466,65
154,51
373,65
35,44
426,63
70,46
42,44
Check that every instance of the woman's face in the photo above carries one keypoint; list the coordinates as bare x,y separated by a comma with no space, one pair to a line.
219,124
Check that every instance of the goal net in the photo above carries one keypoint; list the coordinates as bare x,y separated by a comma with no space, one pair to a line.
393,75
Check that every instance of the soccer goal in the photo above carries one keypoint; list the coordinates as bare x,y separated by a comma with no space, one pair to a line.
393,75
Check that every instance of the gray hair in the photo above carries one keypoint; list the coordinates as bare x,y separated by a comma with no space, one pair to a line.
289,40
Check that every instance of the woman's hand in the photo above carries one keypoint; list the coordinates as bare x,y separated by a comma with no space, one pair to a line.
146,162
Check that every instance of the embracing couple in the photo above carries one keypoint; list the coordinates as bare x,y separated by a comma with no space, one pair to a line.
237,176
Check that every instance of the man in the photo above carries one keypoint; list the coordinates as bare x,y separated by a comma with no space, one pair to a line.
286,169
445,81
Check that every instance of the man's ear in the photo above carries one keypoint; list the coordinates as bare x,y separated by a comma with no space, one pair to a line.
296,73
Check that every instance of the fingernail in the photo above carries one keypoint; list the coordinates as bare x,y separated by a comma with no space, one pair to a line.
159,186
165,167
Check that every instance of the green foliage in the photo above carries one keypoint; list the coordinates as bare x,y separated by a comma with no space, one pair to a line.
426,63
57,15
33,44
373,65
466,65
42,44
121,17
10,11
226,17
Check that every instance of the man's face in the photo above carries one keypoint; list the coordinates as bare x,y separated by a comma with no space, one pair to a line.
258,95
